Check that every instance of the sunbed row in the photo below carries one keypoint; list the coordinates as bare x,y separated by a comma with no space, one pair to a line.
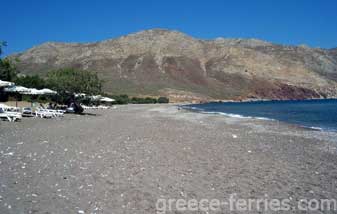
15,114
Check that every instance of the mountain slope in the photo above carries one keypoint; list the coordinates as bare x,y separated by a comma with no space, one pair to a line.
162,62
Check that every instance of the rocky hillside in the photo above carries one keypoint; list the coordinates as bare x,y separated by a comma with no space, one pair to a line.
161,62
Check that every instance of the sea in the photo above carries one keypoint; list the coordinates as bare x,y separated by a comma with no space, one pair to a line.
319,114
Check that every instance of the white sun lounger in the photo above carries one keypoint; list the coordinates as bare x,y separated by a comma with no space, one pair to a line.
4,115
40,112
10,116
56,113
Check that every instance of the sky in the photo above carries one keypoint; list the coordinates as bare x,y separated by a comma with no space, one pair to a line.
25,24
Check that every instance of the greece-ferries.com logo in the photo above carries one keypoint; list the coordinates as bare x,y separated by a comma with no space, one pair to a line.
234,204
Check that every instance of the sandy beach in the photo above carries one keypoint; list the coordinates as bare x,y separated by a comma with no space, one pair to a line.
123,160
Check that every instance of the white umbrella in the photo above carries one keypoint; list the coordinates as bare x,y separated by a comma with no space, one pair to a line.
107,99
5,84
47,91
33,91
18,89
95,97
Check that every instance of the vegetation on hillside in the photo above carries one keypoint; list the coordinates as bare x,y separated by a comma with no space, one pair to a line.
66,82
125,99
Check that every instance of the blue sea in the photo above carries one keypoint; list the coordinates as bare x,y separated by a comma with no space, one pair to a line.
315,114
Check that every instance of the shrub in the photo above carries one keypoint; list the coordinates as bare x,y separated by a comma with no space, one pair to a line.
163,100
140,100
121,99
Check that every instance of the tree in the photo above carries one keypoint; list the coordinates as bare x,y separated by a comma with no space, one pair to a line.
31,82
70,80
2,44
7,70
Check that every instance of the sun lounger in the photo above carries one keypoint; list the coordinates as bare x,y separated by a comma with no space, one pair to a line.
4,115
56,113
27,112
14,115
40,112
10,116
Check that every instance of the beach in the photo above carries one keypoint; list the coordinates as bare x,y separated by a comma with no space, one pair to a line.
123,160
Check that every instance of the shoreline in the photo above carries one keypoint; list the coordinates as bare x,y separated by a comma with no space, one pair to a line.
263,100
254,118
195,108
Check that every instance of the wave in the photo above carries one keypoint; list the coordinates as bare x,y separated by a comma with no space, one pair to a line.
315,128
200,110
235,115
311,115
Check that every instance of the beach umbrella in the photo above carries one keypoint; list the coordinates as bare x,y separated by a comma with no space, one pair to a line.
107,99
33,91
47,91
96,97
17,89
5,84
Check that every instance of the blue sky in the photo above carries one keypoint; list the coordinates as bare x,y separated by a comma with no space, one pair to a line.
28,23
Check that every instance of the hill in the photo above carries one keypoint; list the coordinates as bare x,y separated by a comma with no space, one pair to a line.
170,63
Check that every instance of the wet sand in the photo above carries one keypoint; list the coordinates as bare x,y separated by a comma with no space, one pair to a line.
122,160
